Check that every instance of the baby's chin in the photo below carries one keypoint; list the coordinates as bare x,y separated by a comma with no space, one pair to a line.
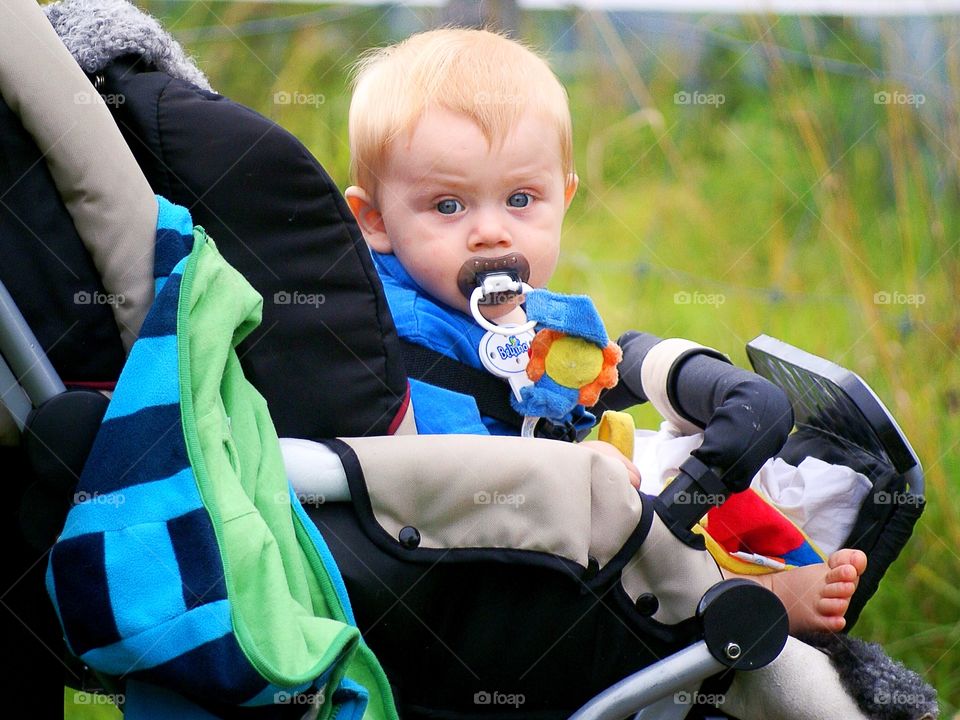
495,312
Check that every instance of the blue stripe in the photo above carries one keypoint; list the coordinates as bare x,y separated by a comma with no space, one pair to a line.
136,449
198,556
163,642
352,699
154,502
172,245
329,564
82,595
153,360
52,594
173,217
217,671
162,318
143,577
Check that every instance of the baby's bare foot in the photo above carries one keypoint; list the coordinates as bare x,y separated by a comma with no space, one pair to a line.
817,596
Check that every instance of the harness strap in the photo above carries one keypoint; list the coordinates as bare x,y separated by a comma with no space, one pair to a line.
491,393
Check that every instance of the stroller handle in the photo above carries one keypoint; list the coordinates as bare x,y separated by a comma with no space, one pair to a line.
27,362
675,673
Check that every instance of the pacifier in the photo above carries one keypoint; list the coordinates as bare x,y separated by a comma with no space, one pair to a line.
493,281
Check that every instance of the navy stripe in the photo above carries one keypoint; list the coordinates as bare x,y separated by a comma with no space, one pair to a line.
195,547
171,246
216,670
142,447
162,318
83,597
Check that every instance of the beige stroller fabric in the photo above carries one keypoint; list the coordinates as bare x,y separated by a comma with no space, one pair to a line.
105,192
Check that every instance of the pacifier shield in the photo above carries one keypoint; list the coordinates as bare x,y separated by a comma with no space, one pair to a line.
472,272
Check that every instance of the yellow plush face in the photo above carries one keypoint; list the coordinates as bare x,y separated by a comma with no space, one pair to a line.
574,362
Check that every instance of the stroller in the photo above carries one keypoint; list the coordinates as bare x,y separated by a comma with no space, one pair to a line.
395,578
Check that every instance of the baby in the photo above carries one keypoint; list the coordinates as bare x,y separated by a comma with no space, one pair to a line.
461,149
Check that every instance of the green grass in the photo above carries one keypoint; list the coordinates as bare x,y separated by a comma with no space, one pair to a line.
87,706
784,210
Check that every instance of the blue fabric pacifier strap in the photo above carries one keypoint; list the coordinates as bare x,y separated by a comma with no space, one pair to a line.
571,314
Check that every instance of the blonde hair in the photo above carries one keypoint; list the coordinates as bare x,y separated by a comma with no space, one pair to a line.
491,79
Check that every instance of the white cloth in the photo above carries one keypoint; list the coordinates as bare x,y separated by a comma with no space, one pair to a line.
821,499
314,471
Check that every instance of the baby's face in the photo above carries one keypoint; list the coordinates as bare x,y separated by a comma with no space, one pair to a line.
446,196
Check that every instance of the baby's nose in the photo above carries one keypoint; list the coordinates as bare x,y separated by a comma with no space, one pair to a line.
488,231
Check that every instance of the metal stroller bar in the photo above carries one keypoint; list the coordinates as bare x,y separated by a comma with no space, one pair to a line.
684,669
24,365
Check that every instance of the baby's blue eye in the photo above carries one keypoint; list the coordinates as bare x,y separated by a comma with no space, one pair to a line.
519,200
449,206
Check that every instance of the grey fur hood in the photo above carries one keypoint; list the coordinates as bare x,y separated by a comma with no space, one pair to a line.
96,32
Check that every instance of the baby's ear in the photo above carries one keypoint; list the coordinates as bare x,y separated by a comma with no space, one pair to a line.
368,218
570,189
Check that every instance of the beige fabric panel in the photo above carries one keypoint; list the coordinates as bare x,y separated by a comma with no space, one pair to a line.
408,425
464,491
676,573
109,199
655,378
801,684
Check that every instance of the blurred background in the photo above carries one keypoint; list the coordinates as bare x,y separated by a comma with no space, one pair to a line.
744,169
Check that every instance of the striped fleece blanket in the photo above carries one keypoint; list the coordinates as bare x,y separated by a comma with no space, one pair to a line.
186,568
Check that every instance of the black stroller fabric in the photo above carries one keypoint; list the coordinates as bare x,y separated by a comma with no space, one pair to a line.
46,268
295,244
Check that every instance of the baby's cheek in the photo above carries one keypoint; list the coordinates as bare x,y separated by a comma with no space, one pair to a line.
542,268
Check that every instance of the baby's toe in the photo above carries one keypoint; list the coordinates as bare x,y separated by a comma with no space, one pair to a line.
839,590
847,556
832,607
841,573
